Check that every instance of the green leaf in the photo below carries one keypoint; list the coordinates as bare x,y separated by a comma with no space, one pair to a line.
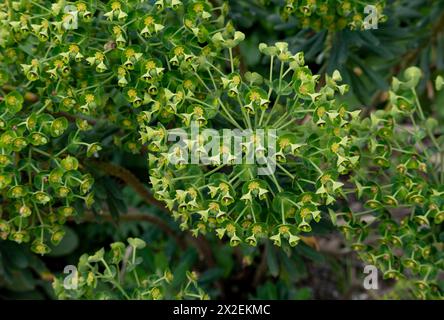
310,253
14,102
68,244
272,261
96,257
14,255
137,243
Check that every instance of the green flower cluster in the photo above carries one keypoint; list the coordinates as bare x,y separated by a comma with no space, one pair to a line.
332,14
80,78
40,179
119,274
226,194
66,68
400,182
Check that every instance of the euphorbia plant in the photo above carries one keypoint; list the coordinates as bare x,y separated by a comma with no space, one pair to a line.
333,15
123,269
49,58
400,182
81,81
230,195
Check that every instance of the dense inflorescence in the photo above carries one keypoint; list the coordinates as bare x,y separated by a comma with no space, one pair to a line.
333,15
227,194
120,273
80,79
68,68
400,183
